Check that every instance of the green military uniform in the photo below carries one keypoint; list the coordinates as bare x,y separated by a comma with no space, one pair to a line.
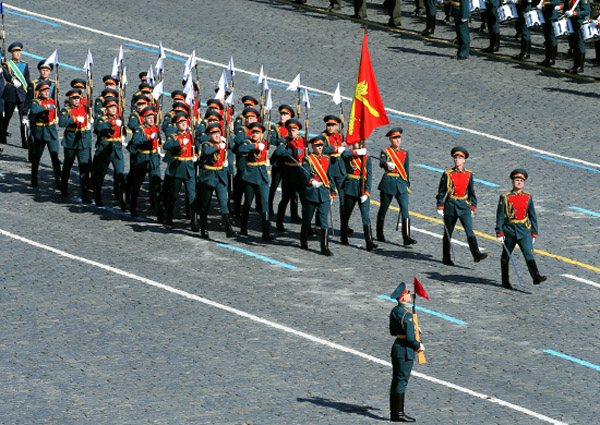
43,129
461,13
516,223
576,42
77,142
550,43
242,132
333,149
402,327
277,138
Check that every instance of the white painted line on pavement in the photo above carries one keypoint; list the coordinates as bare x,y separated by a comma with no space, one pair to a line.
280,327
579,279
225,65
439,236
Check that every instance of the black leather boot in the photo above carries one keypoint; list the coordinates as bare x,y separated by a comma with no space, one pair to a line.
581,63
193,218
446,259
525,50
534,272
504,271
576,63
160,213
304,236
369,237
294,210
406,232
477,255
344,231
169,214
203,224
266,227
403,417
394,407
379,230
279,220
244,221
325,243
227,224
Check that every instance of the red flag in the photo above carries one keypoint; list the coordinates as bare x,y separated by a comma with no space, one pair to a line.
419,290
367,111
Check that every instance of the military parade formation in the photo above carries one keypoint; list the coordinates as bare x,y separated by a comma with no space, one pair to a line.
244,159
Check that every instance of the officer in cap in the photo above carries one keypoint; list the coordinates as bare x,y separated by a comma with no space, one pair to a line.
44,69
18,92
249,102
43,115
402,326
516,223
278,133
242,133
333,149
319,191
395,183
456,200
213,177
77,142
110,83
256,179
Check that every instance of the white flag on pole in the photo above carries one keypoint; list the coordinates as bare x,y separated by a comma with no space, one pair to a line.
120,61
159,67
89,62
161,51
124,76
295,84
230,99
305,98
189,65
150,76
158,90
337,97
265,84
230,69
269,104
261,75
115,69
52,59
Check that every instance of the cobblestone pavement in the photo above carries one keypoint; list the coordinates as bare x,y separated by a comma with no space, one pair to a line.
83,343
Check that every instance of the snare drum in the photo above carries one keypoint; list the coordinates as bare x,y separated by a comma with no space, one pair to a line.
562,28
507,13
477,6
590,31
534,18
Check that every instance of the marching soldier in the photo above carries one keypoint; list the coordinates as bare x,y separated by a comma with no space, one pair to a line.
17,92
333,149
77,142
141,102
183,149
43,116
578,15
354,159
109,149
318,193
516,223
395,183
456,200
402,326
168,126
144,149
256,179
278,134
110,90
213,178
249,102
292,153
241,134
461,13
44,70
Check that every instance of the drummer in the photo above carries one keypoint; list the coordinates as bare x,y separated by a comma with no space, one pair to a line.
578,16
550,12
491,18
522,8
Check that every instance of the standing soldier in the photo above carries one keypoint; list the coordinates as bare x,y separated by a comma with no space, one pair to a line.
183,149
523,6
491,18
278,134
109,149
44,70
395,183
77,141
43,116
318,194
353,192
333,149
461,13
18,92
402,326
213,178
291,179
430,14
516,223
144,148
456,200
578,15
256,179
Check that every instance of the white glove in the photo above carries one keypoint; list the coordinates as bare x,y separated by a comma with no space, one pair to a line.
122,139
557,7
80,119
25,121
268,162
533,241
223,139
341,149
88,127
17,83
569,13
261,146
472,213
299,151
51,107
160,152
539,6
315,183
222,145
390,165
225,164
186,141
153,136
363,199
361,151
91,120
421,348
188,128
463,20
194,158
440,213
118,123
500,239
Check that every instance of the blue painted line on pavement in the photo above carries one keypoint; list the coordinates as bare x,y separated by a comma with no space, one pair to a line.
586,211
568,163
260,257
35,19
573,359
441,171
425,124
155,51
282,85
60,63
109,209
426,310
